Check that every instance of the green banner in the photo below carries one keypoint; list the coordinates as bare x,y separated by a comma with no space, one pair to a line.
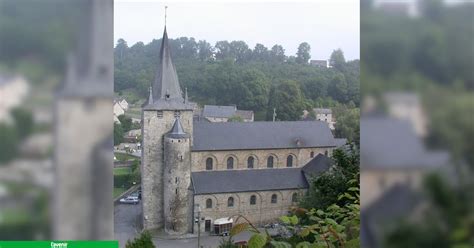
59,244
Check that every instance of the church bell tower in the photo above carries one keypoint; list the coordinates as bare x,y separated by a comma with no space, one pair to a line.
166,115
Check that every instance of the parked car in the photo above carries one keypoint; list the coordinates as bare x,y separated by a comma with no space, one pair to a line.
130,200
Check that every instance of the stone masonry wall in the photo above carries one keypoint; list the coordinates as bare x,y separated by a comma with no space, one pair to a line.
263,212
301,157
153,129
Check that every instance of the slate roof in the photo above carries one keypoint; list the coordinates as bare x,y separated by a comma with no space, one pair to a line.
177,131
211,136
322,111
317,165
245,114
219,111
229,181
392,144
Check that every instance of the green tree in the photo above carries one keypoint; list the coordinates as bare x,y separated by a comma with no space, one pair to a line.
338,88
125,122
9,142
142,241
347,123
23,122
260,53
303,54
337,59
205,50
118,134
236,118
277,54
287,99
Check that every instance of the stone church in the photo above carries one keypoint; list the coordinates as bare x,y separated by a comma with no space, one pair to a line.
257,169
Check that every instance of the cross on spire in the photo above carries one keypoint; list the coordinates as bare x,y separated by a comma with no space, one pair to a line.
166,8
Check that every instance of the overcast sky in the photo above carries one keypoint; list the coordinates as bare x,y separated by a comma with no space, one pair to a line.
325,24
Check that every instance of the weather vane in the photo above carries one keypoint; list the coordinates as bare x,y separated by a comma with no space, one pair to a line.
166,7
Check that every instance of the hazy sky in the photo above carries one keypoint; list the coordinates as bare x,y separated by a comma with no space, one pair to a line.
325,24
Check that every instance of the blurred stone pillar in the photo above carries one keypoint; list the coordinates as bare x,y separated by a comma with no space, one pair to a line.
83,152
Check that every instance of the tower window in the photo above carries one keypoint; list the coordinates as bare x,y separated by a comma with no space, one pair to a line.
250,162
253,200
208,203
326,153
274,198
289,161
311,154
177,114
159,114
230,202
209,163
230,163
270,162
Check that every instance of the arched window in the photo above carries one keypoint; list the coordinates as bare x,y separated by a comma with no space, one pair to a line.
230,202
326,153
289,161
209,203
270,162
274,198
250,162
253,200
311,154
209,164
230,163
294,197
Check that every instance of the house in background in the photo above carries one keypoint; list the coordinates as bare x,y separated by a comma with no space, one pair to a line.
407,106
120,105
13,89
321,114
394,161
319,63
215,113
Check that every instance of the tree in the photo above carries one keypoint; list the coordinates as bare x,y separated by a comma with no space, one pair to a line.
337,59
277,54
9,142
118,134
303,56
205,50
121,48
347,123
240,51
338,88
142,241
223,50
287,99
236,118
326,187
260,53
125,122
23,122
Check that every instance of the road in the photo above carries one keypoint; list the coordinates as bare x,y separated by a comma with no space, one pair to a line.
126,218
125,221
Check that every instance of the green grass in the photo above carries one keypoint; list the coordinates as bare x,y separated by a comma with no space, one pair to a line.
124,157
122,170
118,191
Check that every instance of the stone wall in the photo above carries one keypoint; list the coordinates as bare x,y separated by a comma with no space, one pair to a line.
301,157
177,175
154,126
263,212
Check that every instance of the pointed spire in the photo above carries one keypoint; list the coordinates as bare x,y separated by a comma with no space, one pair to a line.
186,95
166,85
150,97
177,132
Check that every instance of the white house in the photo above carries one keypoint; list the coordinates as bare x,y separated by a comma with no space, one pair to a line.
13,89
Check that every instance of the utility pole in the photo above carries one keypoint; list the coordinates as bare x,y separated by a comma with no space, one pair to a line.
274,114
199,224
